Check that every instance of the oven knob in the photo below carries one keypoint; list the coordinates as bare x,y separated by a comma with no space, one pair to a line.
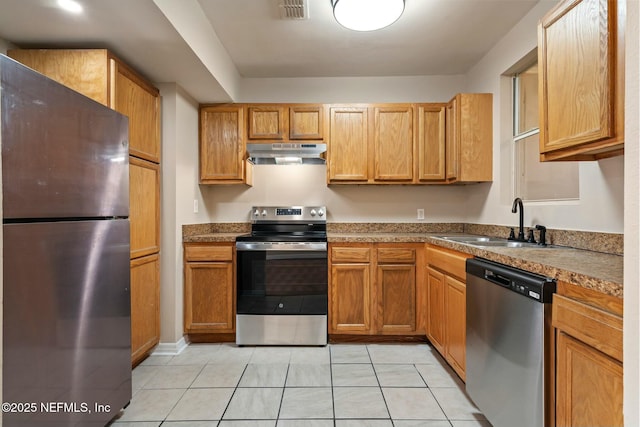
256,213
321,212
313,212
264,212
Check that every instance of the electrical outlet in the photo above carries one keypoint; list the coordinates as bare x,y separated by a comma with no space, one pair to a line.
420,214
195,205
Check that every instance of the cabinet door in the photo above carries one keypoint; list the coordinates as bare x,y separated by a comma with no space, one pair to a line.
350,291
474,134
144,207
139,101
267,122
83,70
431,142
306,122
452,139
145,306
209,297
393,143
455,321
577,60
588,386
221,145
396,298
435,312
348,145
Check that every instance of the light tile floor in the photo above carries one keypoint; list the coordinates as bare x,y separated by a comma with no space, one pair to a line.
341,385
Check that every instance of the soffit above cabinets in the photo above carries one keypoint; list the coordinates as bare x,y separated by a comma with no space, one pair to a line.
209,46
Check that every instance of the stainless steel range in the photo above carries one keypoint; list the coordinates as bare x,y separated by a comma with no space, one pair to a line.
282,277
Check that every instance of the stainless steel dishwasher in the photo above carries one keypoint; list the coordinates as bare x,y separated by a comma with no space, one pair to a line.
509,343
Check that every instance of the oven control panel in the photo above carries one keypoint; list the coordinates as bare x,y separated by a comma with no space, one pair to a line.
289,213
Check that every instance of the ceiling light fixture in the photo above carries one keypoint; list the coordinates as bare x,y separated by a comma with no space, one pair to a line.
367,15
70,6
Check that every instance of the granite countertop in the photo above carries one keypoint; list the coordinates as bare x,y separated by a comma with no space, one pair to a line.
601,272
597,270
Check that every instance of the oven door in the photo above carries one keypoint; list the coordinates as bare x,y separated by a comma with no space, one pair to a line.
276,278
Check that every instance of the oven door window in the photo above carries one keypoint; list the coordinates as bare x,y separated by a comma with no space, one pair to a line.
282,282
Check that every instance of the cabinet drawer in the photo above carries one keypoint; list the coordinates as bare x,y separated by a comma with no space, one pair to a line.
208,253
590,325
396,256
347,254
453,263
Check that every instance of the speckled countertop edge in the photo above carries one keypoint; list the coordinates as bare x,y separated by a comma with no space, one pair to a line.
598,271
593,270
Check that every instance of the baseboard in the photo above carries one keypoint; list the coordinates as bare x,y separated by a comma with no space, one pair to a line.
170,348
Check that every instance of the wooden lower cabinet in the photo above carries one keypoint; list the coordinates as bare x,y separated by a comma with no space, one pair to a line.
145,306
435,309
373,289
209,288
446,305
350,298
455,307
589,371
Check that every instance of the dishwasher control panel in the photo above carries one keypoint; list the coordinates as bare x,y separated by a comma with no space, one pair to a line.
530,285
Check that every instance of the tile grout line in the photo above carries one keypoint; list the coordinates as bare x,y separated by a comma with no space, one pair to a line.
233,394
379,385
333,398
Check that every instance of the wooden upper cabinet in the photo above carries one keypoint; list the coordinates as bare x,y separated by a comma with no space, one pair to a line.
306,122
222,145
581,65
452,141
267,122
348,158
83,70
393,143
96,73
431,142
285,122
139,101
469,138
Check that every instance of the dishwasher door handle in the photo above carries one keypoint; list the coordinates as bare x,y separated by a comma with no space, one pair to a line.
497,279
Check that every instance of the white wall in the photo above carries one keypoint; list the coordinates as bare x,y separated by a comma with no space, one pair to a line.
179,166
352,89
632,218
306,185
601,203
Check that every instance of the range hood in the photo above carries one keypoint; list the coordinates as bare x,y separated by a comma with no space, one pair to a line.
286,153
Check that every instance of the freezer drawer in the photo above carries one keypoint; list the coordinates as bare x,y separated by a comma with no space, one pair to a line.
66,320
63,154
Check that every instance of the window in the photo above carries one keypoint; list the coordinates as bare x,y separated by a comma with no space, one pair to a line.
536,181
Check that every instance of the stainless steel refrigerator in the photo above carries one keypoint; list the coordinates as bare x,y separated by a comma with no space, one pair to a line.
65,243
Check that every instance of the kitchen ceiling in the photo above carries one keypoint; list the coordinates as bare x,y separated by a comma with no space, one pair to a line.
175,40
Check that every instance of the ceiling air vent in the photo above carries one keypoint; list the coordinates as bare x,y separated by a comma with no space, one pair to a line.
294,9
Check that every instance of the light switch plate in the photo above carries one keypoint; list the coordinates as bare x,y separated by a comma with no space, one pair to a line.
195,205
420,214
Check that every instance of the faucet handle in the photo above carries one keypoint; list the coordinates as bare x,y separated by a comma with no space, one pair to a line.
530,237
512,234
543,237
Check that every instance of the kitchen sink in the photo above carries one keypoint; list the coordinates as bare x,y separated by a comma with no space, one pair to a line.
472,239
486,241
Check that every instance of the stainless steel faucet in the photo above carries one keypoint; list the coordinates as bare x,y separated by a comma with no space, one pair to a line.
518,207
